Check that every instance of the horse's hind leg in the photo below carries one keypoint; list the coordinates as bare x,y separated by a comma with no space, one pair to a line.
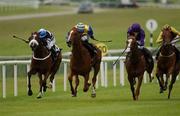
96,70
70,78
54,71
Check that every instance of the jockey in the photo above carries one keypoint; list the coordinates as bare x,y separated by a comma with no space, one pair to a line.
135,29
48,40
87,33
176,35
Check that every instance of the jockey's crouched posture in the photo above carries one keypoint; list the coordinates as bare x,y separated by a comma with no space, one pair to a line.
48,40
87,33
176,35
135,29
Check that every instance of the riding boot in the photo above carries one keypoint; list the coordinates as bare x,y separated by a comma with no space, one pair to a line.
157,54
90,48
177,54
148,56
53,53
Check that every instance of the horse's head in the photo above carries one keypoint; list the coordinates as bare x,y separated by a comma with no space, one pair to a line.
167,35
73,37
131,42
34,41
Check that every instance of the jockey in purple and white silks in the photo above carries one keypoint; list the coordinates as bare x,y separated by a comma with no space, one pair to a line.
48,40
135,29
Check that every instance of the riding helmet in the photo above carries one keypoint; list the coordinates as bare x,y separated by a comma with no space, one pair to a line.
80,27
136,27
42,33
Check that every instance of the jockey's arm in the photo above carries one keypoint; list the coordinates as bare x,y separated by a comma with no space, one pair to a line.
159,39
175,31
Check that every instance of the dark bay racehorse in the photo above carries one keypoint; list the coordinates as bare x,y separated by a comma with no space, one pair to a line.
81,63
166,62
42,64
135,65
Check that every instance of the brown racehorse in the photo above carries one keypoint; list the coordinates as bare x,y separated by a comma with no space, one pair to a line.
42,64
166,62
81,63
135,65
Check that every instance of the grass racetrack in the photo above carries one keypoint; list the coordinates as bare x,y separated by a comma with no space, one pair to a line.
110,101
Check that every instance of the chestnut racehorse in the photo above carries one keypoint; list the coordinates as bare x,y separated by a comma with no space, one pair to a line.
42,64
81,63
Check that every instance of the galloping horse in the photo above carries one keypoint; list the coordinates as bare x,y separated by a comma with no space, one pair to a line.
135,65
81,63
42,64
167,63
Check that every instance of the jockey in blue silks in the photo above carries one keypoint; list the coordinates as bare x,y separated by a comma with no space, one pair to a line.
135,29
48,40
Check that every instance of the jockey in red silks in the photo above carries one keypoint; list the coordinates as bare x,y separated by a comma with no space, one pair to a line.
135,29
48,40
87,33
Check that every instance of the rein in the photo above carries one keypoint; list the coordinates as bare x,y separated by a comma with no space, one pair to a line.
168,55
41,58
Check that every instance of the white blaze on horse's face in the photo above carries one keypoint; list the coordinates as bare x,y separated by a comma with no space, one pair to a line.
33,42
129,42
69,37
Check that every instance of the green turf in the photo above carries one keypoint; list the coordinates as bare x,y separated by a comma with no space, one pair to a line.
109,25
7,10
112,101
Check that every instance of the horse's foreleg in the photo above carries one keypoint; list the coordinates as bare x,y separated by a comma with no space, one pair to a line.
86,84
77,84
160,83
70,78
29,84
131,81
139,86
173,80
166,82
41,85
44,81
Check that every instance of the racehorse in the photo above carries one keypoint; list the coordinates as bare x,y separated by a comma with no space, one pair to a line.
135,64
42,64
166,62
81,63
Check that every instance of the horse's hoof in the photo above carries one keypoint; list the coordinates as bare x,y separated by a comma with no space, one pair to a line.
30,92
161,91
73,95
165,88
85,90
38,97
49,86
93,95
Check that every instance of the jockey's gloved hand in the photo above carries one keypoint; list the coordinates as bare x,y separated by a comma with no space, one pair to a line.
138,42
